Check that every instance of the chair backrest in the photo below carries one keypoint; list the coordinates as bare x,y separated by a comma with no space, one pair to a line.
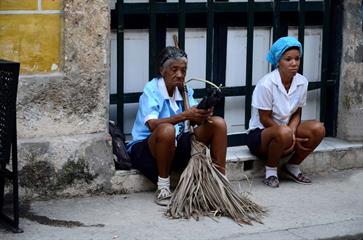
9,73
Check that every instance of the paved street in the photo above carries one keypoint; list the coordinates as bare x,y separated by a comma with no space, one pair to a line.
330,208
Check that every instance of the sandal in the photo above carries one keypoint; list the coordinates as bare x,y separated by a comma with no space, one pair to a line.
271,181
163,196
300,178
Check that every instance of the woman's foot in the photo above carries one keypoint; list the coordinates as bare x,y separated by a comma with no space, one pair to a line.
271,181
299,178
163,196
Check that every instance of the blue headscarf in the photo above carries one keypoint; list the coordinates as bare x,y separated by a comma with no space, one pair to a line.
279,48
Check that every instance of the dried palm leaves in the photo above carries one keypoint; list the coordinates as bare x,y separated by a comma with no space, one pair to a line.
203,191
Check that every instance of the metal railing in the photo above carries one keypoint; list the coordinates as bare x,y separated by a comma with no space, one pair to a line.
216,17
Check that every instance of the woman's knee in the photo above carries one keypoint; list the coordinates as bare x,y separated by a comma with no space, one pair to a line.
164,132
215,127
284,134
218,123
317,130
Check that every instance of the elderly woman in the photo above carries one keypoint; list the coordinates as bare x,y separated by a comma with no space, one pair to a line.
159,143
276,129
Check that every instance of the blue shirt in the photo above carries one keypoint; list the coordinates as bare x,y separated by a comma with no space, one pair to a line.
155,103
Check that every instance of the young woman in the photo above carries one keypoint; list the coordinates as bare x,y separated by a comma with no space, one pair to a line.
276,129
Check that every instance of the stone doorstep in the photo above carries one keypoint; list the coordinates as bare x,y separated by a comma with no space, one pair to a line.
331,155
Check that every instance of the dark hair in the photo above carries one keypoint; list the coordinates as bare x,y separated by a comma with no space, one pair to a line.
169,53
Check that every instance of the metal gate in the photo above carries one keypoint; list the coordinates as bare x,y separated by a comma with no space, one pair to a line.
217,18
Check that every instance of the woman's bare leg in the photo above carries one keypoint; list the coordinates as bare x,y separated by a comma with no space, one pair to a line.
314,131
214,133
162,147
274,142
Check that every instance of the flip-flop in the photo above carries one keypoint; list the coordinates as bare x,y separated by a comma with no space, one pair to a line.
300,178
271,181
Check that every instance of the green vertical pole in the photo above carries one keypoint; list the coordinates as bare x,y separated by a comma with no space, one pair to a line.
181,19
301,30
249,60
209,54
220,32
276,20
120,64
152,38
324,63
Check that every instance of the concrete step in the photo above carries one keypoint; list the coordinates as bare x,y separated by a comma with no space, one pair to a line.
331,155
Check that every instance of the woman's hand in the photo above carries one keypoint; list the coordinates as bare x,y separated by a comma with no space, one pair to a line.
198,116
295,141
291,148
299,143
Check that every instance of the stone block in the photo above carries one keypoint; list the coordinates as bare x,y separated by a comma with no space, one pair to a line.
352,158
350,115
130,181
65,166
235,171
317,162
52,105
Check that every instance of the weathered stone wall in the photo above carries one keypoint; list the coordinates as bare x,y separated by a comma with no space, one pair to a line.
65,166
64,147
350,114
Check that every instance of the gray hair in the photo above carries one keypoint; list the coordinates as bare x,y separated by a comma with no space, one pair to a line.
170,53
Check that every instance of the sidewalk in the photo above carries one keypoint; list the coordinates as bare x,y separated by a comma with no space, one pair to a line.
332,207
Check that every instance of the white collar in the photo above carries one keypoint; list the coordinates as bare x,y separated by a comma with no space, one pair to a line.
296,81
164,92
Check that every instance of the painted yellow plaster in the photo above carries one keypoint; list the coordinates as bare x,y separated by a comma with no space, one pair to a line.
32,40
18,4
52,4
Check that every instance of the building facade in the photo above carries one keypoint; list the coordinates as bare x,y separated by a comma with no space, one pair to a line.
64,48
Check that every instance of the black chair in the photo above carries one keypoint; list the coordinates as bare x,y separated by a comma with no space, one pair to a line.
9,74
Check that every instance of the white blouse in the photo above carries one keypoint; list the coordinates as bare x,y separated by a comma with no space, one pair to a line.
270,94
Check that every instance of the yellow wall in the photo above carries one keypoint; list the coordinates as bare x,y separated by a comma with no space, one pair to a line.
31,37
52,4
18,4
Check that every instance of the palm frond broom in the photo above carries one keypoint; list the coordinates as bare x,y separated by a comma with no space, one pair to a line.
203,190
